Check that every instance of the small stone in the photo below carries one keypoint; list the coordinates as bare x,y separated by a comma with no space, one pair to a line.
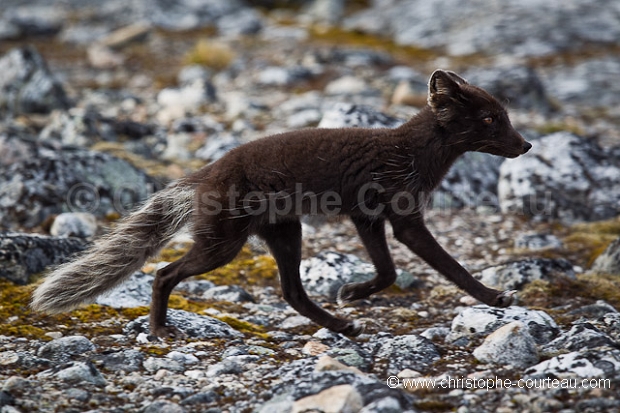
61,349
327,363
511,344
79,372
609,261
232,293
516,274
481,320
337,399
224,367
314,348
154,364
74,224
537,242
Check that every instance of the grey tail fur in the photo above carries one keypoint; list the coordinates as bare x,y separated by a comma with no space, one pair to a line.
116,256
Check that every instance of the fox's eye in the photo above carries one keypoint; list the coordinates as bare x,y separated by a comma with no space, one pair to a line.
488,120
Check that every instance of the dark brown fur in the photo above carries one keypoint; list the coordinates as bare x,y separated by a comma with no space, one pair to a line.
370,175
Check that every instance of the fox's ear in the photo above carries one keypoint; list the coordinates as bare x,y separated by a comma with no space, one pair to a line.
444,87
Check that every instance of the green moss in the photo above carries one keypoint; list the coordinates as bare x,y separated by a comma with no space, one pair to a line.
244,326
588,240
553,127
339,36
210,53
585,287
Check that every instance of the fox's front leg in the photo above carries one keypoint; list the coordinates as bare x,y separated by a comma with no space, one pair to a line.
413,233
372,233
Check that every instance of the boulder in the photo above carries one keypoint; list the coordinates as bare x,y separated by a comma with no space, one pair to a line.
48,178
609,260
514,275
27,85
563,177
22,255
490,27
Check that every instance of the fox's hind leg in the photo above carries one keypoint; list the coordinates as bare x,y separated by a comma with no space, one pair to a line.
215,245
372,233
284,241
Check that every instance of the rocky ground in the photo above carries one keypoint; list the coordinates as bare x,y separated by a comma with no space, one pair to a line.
102,104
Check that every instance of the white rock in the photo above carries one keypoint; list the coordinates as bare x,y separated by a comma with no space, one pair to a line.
511,344
74,224
337,399
481,320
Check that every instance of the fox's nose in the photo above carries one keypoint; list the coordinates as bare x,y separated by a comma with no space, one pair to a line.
526,146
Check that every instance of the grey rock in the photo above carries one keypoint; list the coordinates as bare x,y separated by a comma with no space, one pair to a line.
385,405
563,177
183,358
342,115
192,73
79,127
80,373
588,84
74,224
193,325
349,85
300,379
356,57
23,361
153,364
22,255
511,344
125,360
481,320
588,363
283,76
27,85
581,336
185,14
515,275
232,293
324,12
217,146
537,242
246,21
195,287
282,403
159,406
491,28
200,398
342,398
406,352
53,179
471,182
610,325
435,333
224,367
325,273
134,292
609,261
36,20
518,87
599,309
62,349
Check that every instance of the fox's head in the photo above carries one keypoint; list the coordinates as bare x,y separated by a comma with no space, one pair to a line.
472,119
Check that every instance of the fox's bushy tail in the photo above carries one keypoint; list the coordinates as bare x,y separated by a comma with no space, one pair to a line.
114,257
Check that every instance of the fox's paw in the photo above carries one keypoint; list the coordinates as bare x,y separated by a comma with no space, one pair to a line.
346,294
506,298
353,329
